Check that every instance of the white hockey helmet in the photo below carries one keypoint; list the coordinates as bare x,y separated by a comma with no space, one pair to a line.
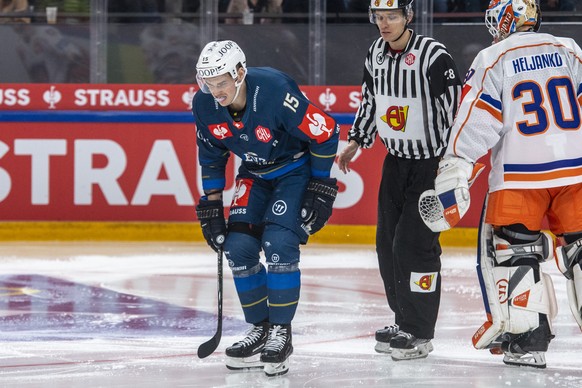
504,17
386,5
217,58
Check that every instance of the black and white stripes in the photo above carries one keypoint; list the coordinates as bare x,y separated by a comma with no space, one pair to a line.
409,98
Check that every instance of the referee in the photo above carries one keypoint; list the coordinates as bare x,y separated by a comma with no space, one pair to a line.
410,93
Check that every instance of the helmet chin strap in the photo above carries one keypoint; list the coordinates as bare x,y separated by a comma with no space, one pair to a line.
400,36
238,84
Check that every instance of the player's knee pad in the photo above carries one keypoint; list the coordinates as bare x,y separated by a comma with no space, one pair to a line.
516,289
242,251
569,260
281,246
511,247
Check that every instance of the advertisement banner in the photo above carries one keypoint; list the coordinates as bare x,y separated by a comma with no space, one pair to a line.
153,98
79,169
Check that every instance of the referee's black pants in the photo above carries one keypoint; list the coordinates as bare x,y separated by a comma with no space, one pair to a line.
408,251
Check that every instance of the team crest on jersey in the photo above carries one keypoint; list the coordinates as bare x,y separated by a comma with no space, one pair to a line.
409,59
396,117
220,131
423,282
317,125
263,134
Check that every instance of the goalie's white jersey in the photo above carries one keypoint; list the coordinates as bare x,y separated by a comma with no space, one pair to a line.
522,99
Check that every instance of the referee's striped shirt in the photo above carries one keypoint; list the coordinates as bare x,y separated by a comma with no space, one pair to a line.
409,98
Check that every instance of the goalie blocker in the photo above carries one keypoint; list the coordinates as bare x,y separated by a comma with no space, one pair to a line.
519,298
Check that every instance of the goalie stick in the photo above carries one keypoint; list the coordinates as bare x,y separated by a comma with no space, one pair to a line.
208,347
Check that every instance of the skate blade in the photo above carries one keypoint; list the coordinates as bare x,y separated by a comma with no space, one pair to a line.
383,347
273,369
533,359
244,364
418,352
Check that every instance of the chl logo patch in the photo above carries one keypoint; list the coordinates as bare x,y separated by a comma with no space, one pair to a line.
423,282
220,131
263,134
409,59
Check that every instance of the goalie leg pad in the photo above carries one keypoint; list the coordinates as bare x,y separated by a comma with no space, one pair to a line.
568,259
517,292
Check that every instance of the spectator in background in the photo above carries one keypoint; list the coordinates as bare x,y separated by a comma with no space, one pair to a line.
13,6
246,7
64,6
176,7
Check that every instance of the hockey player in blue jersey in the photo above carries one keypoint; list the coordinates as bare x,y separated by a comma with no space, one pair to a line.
283,192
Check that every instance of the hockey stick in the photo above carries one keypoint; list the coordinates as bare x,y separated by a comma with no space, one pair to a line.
208,347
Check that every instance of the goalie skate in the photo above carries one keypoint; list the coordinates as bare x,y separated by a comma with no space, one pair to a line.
535,359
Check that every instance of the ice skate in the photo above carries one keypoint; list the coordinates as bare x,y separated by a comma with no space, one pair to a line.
245,354
528,349
383,337
278,348
405,346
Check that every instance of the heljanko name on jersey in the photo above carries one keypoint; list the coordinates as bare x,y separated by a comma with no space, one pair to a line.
536,62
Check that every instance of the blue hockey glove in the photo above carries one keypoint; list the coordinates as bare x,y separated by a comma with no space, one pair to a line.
318,203
211,217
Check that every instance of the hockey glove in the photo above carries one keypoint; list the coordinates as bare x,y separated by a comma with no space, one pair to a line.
443,207
211,217
318,203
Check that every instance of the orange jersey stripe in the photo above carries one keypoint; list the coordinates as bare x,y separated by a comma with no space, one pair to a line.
495,113
544,176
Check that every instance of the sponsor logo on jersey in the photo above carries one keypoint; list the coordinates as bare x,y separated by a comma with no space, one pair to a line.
254,158
238,125
327,99
220,131
409,59
396,117
263,134
423,282
241,195
239,210
317,125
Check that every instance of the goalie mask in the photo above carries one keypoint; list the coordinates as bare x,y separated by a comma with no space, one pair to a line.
504,17
218,58
387,5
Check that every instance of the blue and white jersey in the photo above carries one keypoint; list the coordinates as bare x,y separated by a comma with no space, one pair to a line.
522,99
280,130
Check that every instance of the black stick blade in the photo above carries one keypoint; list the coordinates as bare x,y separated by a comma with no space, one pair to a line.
208,347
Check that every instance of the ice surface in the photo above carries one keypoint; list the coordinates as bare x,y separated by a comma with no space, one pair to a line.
133,314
